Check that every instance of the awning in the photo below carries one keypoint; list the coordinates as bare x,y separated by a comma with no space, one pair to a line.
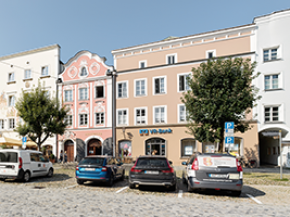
14,142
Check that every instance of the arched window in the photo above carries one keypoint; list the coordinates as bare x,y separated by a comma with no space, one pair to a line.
84,72
155,146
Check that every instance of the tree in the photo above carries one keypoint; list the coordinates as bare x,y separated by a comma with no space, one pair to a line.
42,116
221,91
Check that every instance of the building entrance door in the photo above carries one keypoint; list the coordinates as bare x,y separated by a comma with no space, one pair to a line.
69,149
94,147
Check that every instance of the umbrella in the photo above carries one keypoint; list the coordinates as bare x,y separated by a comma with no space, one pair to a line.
14,142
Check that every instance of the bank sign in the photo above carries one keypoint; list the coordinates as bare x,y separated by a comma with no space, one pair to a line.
154,131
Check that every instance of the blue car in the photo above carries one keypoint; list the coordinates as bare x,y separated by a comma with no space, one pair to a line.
99,168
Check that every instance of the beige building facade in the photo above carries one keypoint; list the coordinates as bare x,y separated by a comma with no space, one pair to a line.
151,117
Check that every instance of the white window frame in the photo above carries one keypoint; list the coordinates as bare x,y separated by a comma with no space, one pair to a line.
146,115
11,121
47,71
135,87
70,98
127,117
10,101
2,124
12,77
280,81
127,91
175,58
178,81
100,118
145,64
280,113
165,113
179,115
84,125
80,99
208,52
69,120
95,89
25,74
165,85
270,54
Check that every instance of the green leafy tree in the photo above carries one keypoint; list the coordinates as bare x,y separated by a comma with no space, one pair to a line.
42,116
221,91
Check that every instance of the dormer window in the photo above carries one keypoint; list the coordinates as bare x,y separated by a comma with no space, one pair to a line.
84,71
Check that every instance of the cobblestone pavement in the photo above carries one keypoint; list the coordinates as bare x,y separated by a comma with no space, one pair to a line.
98,200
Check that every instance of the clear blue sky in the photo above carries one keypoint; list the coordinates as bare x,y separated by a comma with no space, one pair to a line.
103,26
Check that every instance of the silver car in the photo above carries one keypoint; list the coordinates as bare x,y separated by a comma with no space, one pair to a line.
213,171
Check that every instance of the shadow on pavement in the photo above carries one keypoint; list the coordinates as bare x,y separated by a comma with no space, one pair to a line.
96,184
54,178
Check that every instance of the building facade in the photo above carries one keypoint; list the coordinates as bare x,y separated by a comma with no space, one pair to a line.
87,91
272,56
151,80
23,71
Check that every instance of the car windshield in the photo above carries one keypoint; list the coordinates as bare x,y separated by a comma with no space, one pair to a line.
152,162
8,157
92,161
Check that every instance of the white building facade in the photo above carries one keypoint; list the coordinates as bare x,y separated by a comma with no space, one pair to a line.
23,71
273,62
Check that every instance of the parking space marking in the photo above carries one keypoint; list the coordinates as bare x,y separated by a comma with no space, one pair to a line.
254,199
72,186
122,189
180,194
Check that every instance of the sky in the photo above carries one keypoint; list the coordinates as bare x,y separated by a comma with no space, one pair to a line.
103,26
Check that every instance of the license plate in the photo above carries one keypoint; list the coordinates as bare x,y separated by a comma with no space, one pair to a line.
218,176
90,169
234,176
151,172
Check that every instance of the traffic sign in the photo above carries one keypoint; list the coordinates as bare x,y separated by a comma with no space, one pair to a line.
24,140
229,125
230,140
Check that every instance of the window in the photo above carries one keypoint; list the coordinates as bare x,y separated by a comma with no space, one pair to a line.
44,71
83,93
68,96
11,77
122,90
271,82
181,113
140,87
100,118
183,83
155,146
171,58
83,119
122,117
99,91
11,100
27,73
159,85
271,114
141,116
1,124
270,54
11,123
159,115
142,64
47,93
210,54
125,148
188,147
68,120
84,71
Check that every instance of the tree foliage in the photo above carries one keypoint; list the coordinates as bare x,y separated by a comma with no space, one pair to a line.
42,116
221,91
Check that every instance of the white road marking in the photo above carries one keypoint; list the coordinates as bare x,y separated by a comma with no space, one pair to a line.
122,189
180,194
72,186
254,199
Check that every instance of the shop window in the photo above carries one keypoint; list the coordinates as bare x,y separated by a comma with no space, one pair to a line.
208,147
188,147
125,148
235,149
155,146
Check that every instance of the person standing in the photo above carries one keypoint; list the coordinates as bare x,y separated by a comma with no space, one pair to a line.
61,156
65,157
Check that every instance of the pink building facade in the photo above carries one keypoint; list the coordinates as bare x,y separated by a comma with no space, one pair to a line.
86,91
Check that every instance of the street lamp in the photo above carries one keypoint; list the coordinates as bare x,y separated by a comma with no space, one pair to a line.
113,74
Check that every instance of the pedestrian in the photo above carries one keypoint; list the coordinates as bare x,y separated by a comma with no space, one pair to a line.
65,157
61,156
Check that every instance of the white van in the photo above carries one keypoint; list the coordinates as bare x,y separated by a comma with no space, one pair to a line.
23,164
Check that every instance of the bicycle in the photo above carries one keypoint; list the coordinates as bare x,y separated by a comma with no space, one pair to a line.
250,163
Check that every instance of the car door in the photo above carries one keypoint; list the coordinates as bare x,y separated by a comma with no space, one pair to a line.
35,164
44,165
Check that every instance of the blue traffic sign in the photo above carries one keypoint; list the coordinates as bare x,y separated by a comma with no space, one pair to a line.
229,125
24,139
229,140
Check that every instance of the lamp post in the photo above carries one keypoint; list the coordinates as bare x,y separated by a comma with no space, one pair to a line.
113,74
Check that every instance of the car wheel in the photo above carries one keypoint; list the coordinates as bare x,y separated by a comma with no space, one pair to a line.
26,177
80,182
123,175
131,186
2,180
50,173
236,193
111,180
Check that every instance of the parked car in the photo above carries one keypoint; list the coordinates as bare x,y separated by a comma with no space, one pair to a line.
99,168
23,164
213,171
152,170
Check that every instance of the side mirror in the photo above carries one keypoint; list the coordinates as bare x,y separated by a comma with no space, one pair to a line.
184,163
170,162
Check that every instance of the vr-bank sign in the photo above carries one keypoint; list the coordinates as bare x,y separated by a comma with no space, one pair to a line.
153,131
229,133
